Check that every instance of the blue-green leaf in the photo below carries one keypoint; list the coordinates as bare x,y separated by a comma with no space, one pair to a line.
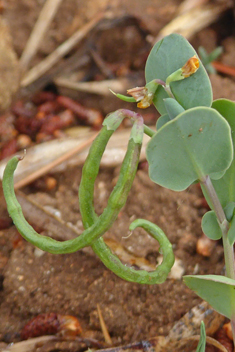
231,232
173,108
229,211
210,226
218,291
196,143
167,56
162,121
225,187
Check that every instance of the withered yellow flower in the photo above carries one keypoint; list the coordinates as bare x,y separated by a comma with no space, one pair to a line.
190,67
138,93
146,102
143,95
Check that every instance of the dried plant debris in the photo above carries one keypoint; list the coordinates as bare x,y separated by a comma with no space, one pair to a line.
9,68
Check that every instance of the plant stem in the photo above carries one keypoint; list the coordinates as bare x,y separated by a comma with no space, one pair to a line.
168,91
217,207
133,115
149,131
224,225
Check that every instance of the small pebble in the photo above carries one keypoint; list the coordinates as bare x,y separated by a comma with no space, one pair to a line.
205,246
228,328
23,141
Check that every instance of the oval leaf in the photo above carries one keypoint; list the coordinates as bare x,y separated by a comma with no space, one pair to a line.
196,143
210,226
229,211
231,232
218,291
162,121
173,108
167,56
225,187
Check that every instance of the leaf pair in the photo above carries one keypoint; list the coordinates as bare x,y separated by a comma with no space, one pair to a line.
166,57
193,140
225,186
194,144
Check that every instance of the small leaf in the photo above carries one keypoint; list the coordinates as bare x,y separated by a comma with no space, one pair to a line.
218,291
173,108
201,347
210,226
229,211
162,121
231,232
167,56
196,143
208,58
225,187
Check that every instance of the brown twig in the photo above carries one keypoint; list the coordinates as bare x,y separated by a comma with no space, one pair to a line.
29,345
209,340
144,346
228,70
188,5
38,173
101,88
75,61
59,52
189,23
101,64
43,22
104,329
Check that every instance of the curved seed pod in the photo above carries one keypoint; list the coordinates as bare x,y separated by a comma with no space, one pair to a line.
90,234
157,276
120,192
127,173
89,217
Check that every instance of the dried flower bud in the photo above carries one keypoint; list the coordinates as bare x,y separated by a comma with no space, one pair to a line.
138,93
146,102
144,95
190,67
141,95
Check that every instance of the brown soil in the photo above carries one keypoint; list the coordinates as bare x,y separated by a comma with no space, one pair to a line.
73,14
32,282
75,283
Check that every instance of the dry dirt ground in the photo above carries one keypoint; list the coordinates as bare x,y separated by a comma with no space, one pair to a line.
32,283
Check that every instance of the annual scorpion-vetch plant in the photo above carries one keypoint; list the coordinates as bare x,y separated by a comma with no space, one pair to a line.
194,142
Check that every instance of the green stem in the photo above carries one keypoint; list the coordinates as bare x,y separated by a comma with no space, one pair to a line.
89,217
224,225
149,131
133,116
229,258
168,91
48,244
